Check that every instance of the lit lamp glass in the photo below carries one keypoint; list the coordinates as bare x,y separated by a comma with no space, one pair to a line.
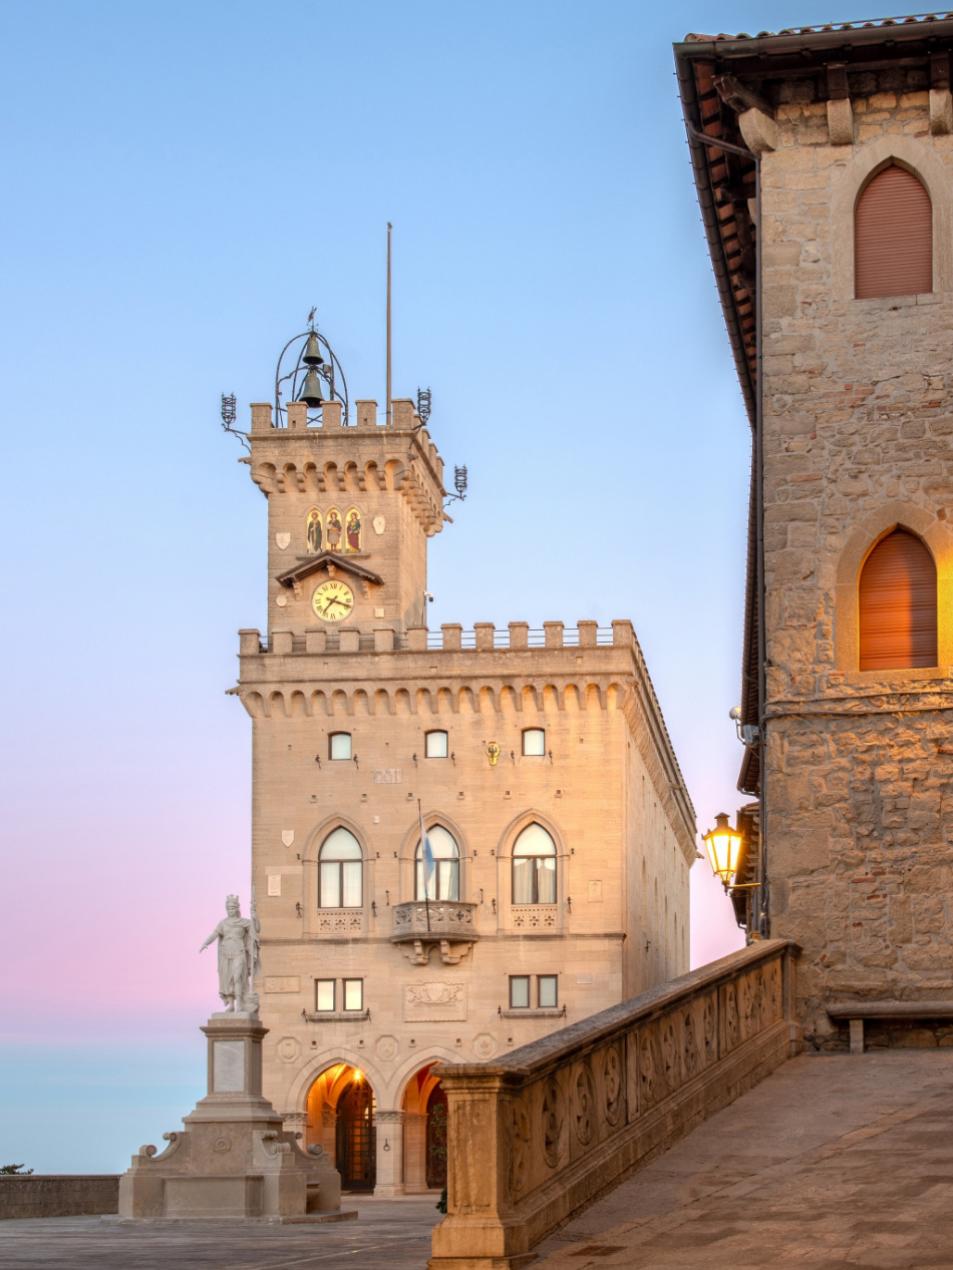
724,849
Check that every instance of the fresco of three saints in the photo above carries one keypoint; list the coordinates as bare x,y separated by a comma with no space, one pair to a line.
334,532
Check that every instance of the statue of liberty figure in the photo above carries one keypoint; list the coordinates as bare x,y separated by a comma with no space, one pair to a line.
239,957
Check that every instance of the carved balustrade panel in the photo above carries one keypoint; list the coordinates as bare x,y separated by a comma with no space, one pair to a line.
558,1118
340,921
518,1145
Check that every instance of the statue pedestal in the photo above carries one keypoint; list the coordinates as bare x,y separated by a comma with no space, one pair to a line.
234,1160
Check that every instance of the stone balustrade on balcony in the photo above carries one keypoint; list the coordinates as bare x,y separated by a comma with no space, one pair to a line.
434,921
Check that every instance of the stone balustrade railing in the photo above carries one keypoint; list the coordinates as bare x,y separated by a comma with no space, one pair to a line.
537,1135
436,920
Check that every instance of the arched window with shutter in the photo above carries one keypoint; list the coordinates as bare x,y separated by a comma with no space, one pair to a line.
898,604
893,236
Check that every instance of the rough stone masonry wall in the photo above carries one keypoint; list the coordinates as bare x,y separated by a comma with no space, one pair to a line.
858,438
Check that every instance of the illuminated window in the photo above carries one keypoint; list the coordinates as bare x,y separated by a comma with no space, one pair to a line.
893,236
324,995
534,867
897,604
435,745
444,880
354,994
339,745
340,871
534,742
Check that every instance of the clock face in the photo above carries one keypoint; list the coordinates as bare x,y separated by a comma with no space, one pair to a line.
332,600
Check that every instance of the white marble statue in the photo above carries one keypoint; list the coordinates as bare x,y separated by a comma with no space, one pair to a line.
238,957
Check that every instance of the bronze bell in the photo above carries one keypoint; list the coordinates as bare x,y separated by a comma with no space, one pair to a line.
311,393
312,351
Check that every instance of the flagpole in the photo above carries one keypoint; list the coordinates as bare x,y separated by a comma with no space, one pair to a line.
389,406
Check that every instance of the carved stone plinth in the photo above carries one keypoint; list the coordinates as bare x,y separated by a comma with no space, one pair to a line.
234,1160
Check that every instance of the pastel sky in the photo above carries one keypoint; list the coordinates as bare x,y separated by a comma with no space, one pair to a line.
183,182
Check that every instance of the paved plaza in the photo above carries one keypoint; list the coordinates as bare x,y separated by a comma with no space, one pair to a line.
833,1161
388,1235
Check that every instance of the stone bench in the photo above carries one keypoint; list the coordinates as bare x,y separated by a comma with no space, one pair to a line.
855,1012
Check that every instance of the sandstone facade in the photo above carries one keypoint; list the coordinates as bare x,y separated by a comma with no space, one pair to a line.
434,979
856,781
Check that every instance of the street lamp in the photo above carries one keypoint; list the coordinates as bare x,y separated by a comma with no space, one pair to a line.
724,850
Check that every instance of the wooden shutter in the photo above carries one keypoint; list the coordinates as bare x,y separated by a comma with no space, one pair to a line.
893,236
898,604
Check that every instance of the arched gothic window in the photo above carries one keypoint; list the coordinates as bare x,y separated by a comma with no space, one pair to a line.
340,871
534,867
893,236
444,881
897,604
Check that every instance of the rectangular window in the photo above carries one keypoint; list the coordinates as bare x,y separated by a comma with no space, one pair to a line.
339,745
519,992
436,745
547,993
354,994
324,994
534,742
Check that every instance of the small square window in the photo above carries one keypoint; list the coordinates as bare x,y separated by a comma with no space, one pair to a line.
339,745
547,989
354,994
324,995
435,745
519,992
534,742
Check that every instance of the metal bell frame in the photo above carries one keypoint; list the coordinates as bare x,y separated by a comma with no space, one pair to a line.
293,379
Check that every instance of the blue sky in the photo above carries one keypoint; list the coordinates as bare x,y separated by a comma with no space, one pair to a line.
183,182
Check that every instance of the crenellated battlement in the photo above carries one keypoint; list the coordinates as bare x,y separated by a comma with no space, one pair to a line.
483,670
451,637
330,423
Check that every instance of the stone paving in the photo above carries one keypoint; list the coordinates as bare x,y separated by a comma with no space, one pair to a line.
388,1235
833,1161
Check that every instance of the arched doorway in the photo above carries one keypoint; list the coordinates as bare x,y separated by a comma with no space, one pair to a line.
341,1119
437,1138
425,1132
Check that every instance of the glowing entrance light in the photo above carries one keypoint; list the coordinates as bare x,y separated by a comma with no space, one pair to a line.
724,850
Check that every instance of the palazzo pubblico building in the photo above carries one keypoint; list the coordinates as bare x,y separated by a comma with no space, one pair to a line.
462,839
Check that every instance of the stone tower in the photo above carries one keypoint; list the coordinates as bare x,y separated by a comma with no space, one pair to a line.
823,159
551,877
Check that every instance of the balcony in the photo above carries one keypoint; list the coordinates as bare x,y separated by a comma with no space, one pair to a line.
423,926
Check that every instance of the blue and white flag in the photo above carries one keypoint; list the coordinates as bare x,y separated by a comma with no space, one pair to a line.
426,852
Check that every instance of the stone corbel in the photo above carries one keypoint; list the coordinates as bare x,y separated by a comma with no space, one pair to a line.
453,954
941,101
840,115
759,131
755,114
296,587
417,953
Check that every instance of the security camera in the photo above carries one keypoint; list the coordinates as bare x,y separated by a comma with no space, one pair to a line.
428,596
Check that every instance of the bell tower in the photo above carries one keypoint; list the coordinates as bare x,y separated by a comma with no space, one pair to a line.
351,503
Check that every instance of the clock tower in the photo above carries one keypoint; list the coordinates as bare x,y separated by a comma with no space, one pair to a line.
461,840
351,504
